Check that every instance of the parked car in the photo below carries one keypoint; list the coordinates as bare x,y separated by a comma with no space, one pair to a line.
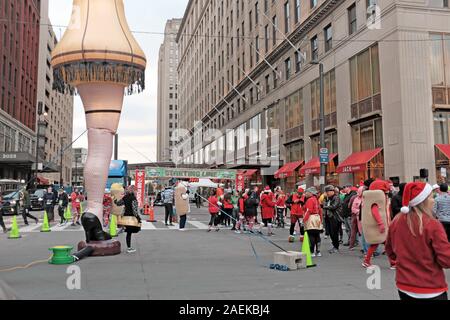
10,204
37,199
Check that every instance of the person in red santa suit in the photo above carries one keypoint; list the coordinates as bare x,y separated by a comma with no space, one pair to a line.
418,243
298,200
267,209
377,215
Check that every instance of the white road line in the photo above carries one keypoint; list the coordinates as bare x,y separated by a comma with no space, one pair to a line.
31,228
148,226
174,227
199,225
58,228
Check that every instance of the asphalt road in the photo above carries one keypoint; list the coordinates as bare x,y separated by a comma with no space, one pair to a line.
188,265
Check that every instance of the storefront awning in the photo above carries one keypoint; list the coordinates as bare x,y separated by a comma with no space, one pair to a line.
313,166
43,181
248,173
445,149
288,170
358,161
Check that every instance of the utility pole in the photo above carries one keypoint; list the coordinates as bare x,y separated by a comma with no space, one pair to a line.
116,147
40,112
323,164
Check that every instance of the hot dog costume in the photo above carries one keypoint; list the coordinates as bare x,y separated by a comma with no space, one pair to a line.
99,59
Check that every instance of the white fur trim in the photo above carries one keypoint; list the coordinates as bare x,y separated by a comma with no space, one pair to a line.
405,210
421,197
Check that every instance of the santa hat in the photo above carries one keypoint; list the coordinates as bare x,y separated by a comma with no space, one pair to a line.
380,185
300,190
414,194
267,189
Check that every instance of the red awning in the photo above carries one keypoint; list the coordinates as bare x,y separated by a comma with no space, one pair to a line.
247,173
445,149
43,181
313,166
358,161
288,170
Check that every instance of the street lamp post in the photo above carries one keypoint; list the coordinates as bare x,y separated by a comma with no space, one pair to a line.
323,166
40,112
61,180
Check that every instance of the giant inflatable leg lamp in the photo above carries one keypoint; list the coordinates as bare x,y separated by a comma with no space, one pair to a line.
99,58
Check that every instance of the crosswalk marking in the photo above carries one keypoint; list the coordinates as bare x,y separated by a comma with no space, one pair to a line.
199,225
148,226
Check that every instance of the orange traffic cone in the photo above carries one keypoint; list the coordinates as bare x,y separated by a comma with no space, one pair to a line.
151,214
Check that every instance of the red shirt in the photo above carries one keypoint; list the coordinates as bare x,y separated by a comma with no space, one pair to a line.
213,207
312,207
281,201
227,204
419,260
296,208
268,206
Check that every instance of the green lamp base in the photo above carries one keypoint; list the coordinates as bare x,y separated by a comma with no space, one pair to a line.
61,255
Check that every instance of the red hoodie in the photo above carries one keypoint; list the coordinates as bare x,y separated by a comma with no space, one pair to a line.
419,260
296,208
213,206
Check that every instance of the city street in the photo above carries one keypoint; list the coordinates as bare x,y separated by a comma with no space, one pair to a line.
170,264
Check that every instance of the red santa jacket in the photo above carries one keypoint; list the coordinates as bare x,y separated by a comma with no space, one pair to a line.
242,203
281,201
213,207
227,204
267,205
297,206
312,207
420,259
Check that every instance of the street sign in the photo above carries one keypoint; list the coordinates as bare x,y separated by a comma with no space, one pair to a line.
324,156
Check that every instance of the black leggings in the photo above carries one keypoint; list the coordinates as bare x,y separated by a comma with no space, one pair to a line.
334,231
227,216
214,220
447,229
2,223
169,212
26,214
314,239
129,233
405,297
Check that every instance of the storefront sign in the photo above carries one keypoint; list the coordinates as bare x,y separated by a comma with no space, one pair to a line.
351,169
16,157
191,173
324,156
240,182
140,187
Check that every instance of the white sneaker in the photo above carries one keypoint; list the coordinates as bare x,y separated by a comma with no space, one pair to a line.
313,255
131,250
318,255
238,232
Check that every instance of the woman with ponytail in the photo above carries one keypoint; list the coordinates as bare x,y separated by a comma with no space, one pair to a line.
418,243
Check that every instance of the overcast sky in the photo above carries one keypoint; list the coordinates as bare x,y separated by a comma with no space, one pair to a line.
138,123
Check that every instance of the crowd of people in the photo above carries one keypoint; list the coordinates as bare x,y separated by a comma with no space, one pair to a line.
410,225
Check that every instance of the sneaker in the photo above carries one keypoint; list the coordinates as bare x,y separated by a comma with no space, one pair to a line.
393,267
313,255
233,229
351,249
73,225
347,244
209,230
131,250
182,229
326,237
167,224
217,229
237,232
333,251
318,254
172,225
78,223
367,265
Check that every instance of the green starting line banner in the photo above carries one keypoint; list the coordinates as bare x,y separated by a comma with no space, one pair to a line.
190,173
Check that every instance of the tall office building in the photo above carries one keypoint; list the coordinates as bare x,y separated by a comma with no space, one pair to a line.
57,134
167,91
19,51
386,86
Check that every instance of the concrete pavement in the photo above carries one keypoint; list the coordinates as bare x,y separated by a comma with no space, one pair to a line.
189,265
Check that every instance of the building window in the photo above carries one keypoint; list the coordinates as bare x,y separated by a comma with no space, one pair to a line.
365,83
313,4
255,126
294,112
297,11
266,38
298,62
329,101
440,3
328,35
295,152
441,127
287,64
440,68
267,84
331,142
275,78
352,19
287,18
367,135
314,49
274,30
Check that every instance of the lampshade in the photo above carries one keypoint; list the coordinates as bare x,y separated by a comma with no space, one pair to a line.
98,47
